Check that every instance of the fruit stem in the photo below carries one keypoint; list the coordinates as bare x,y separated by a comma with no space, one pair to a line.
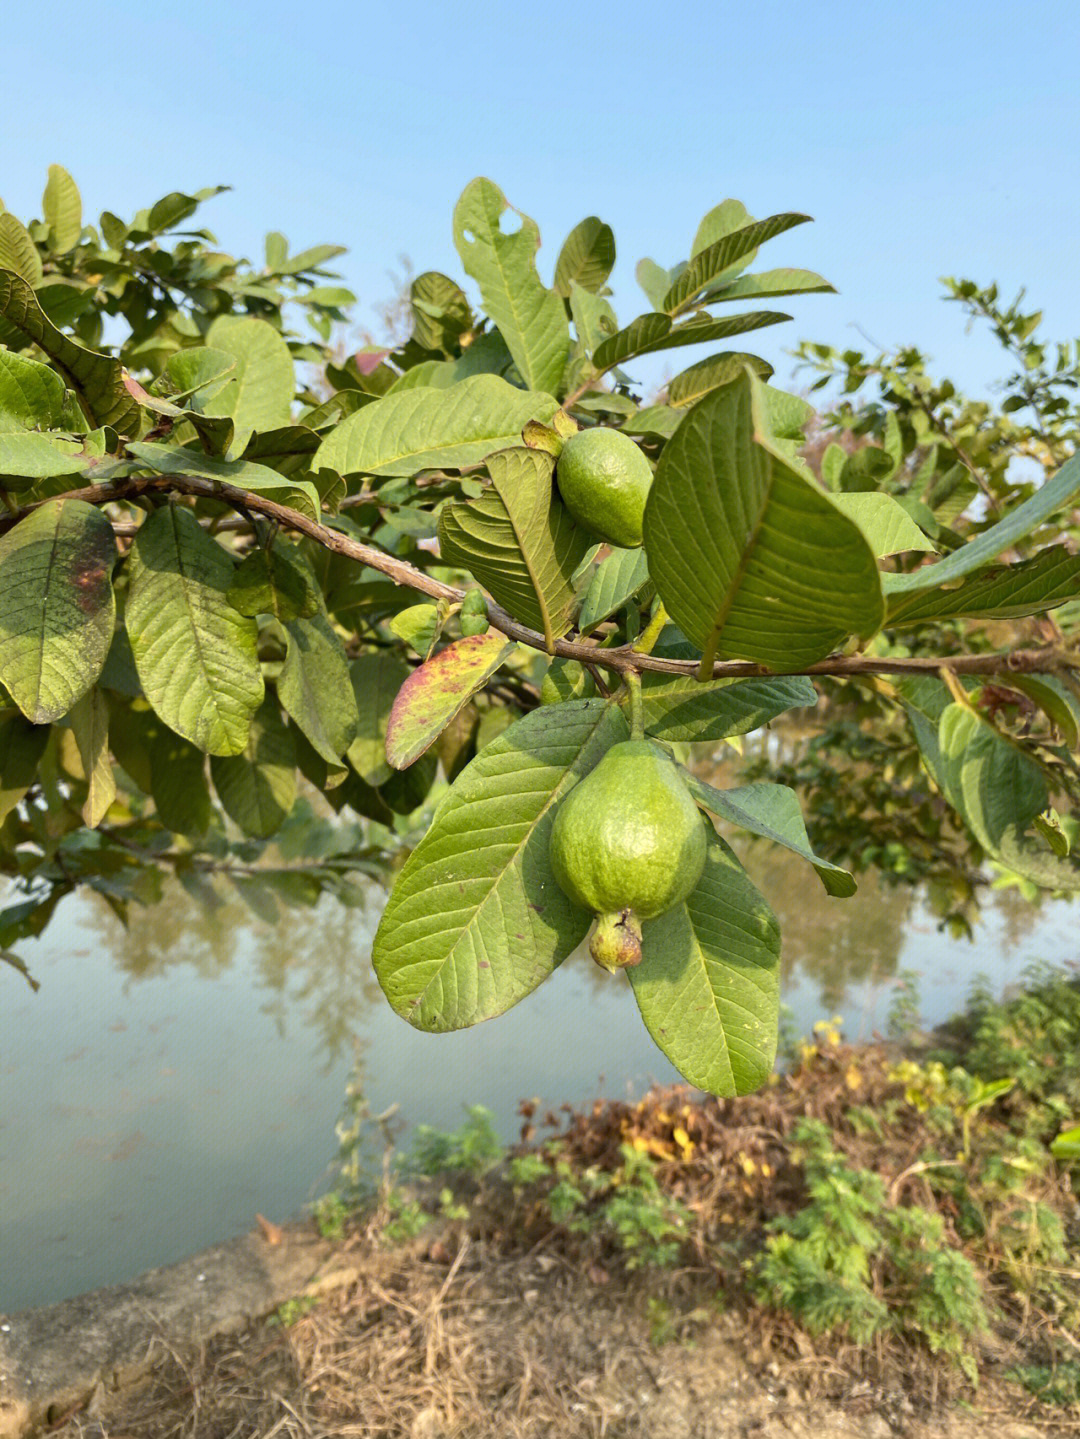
653,630
632,680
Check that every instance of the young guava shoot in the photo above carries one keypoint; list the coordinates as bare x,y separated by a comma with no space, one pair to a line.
628,843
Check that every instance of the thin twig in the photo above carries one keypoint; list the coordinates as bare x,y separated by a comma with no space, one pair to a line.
621,659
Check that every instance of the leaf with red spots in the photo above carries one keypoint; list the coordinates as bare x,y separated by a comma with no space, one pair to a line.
57,606
437,691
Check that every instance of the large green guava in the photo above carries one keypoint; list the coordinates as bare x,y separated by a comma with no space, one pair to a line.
628,843
604,481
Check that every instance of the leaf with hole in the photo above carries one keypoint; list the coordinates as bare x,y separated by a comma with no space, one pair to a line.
530,317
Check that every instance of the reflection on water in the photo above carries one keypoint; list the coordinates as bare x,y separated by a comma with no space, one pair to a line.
173,1078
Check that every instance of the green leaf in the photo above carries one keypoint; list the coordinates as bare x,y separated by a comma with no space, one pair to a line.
708,983
1058,702
654,420
530,317
418,626
99,379
31,394
21,747
257,787
377,678
309,260
751,559
441,312
1054,495
438,690
771,811
684,708
594,319
615,581
1066,1146
650,333
199,370
178,784
314,687
587,257
61,206
687,388
771,284
259,392
57,607
18,252
723,219
300,495
986,778
26,457
476,919
487,355
518,541
888,527
89,721
275,582
998,592
715,260
428,428
654,280
195,654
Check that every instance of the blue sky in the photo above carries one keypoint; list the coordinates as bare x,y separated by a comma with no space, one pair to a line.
924,139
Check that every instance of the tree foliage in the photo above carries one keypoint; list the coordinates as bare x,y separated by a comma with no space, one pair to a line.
238,568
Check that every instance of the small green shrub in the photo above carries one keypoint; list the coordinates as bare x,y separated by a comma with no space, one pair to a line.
474,1148
847,1262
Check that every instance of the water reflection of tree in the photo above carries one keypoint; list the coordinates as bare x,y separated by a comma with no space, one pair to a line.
835,942
312,963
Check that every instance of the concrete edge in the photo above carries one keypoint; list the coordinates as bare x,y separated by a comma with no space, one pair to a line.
52,1359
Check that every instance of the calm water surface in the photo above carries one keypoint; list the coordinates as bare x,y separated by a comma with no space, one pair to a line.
171,1080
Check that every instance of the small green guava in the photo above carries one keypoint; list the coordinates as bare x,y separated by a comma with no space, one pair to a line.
604,481
628,843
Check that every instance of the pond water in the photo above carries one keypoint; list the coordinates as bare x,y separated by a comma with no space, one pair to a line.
171,1080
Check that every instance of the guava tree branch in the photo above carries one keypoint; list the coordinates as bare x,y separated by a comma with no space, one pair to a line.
621,660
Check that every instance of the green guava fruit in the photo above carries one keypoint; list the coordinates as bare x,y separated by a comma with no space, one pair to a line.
628,843
604,481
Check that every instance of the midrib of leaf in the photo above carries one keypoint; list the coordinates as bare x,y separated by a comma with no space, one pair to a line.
185,584
493,892
45,610
689,985
549,632
740,570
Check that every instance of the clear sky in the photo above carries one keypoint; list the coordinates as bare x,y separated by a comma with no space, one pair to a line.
925,139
